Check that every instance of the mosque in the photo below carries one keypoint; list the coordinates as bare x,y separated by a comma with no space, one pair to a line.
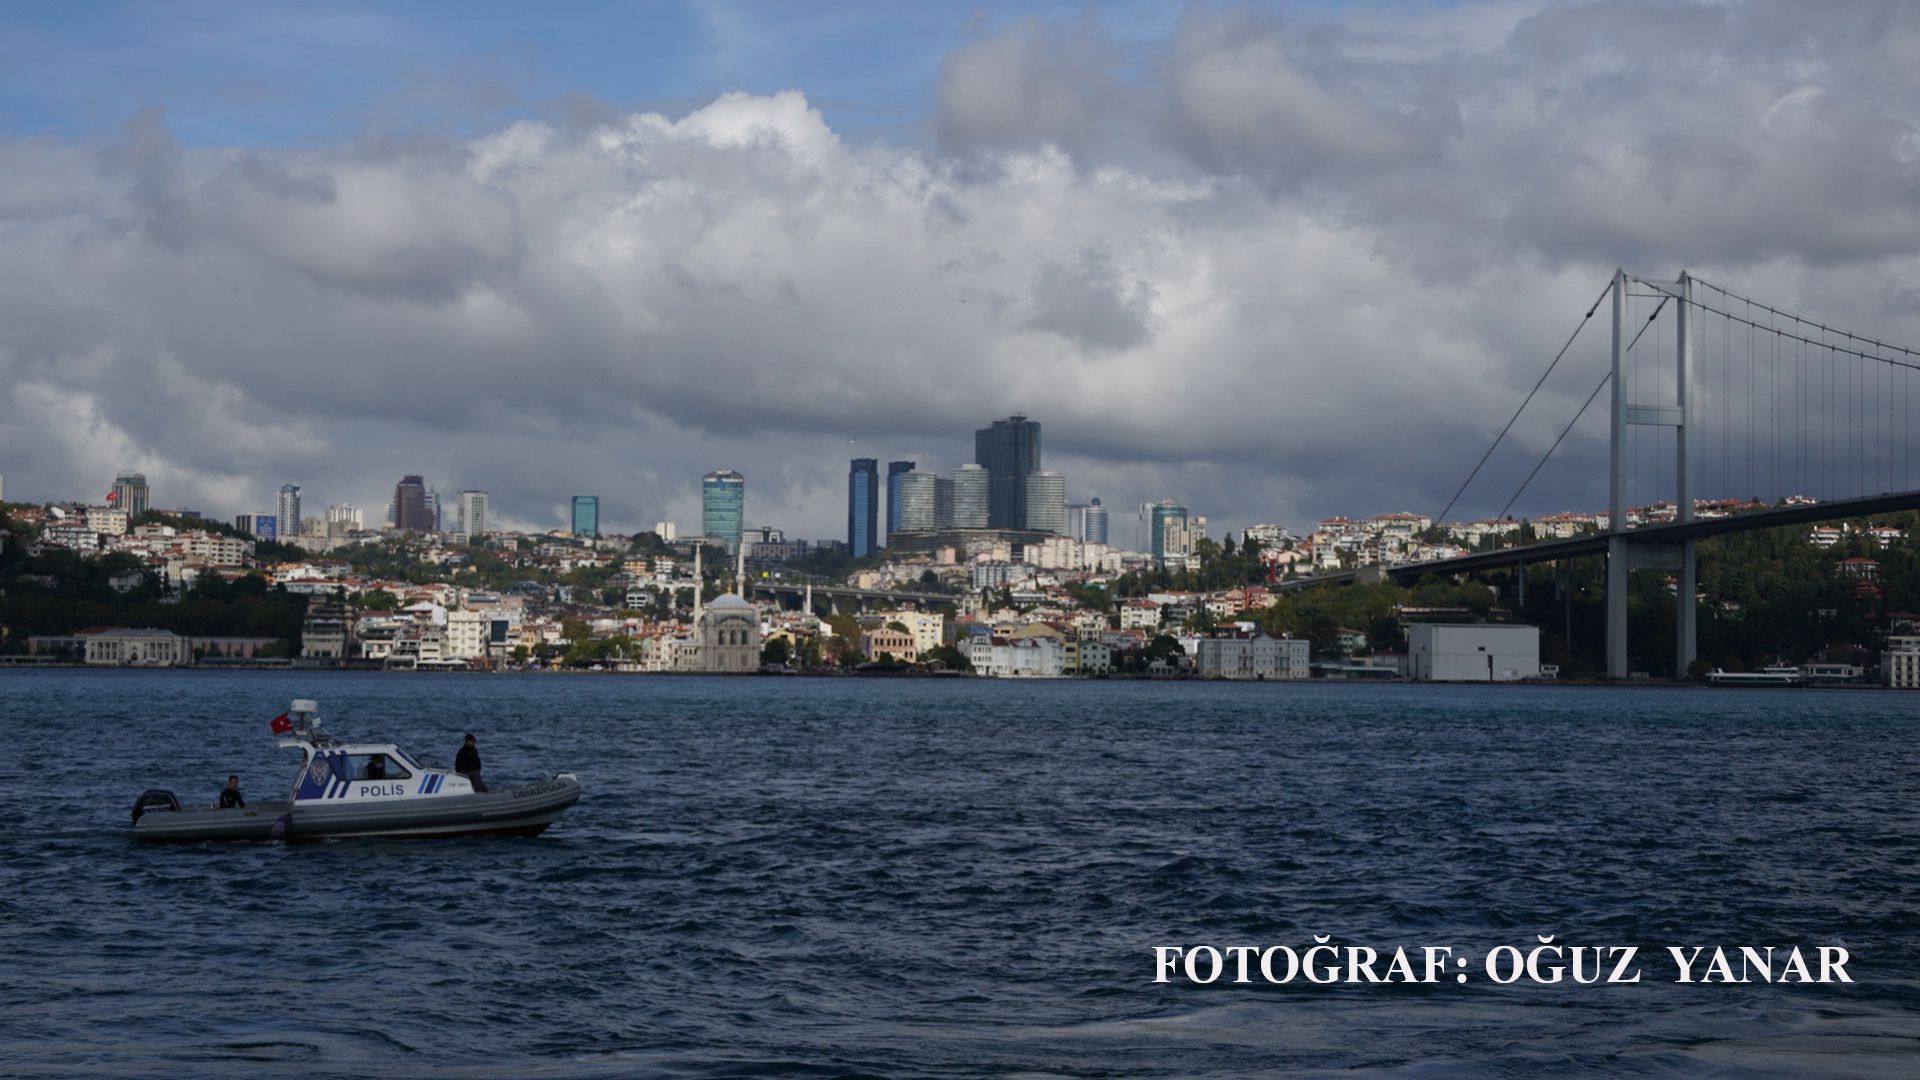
726,633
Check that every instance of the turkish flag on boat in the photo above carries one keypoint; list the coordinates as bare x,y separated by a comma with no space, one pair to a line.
282,724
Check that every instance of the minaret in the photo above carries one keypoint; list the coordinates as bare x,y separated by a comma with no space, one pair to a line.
740,572
698,581
809,608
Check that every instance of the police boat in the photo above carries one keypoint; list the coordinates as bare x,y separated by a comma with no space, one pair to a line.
360,789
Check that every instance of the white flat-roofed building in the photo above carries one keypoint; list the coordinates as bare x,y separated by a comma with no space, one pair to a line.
1475,652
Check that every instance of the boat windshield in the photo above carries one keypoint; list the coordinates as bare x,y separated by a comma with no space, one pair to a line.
408,759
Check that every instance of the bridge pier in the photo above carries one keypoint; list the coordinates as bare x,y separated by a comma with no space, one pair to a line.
1617,607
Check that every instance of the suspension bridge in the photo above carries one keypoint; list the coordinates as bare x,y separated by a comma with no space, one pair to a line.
1753,402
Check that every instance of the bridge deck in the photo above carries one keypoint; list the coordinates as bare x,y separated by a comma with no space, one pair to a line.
1698,529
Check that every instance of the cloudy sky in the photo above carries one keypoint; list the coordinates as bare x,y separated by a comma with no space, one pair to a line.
1277,261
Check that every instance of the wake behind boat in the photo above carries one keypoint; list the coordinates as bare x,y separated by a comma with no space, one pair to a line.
360,789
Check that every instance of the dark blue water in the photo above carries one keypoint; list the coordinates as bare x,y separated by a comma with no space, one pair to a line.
958,878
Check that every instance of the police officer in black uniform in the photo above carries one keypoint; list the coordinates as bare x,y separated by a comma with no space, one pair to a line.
467,763
230,795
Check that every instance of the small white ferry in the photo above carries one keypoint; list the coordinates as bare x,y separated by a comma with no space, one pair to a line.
360,789
1771,675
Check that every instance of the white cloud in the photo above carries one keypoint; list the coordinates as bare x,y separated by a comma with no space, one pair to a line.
1277,270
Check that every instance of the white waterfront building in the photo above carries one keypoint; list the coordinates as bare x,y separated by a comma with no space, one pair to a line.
1250,654
1473,652
1027,658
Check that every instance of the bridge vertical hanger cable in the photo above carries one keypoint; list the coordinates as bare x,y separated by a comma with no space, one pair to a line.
1584,320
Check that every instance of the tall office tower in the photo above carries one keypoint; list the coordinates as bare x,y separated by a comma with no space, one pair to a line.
410,505
1169,529
586,516
287,511
1010,451
667,531
473,513
943,502
1077,520
3,488
723,506
1096,522
433,511
895,470
972,486
863,506
130,493
917,498
1046,501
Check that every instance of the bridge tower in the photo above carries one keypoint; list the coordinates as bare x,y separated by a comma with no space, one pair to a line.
1623,553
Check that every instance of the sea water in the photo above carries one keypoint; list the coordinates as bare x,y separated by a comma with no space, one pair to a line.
935,878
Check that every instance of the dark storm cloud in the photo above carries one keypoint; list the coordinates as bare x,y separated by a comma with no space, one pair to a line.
1276,268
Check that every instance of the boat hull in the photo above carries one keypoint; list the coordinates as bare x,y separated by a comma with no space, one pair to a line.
520,810
191,824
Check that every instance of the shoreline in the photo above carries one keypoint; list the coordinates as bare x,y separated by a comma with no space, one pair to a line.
1649,683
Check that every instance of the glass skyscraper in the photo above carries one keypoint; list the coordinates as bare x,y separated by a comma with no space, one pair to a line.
410,505
918,501
1046,502
895,470
1010,451
723,505
863,506
971,485
1096,522
586,516
1168,517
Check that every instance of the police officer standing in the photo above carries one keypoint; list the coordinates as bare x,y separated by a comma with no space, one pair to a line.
467,763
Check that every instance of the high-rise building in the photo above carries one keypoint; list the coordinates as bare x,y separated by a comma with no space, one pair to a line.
410,505
473,513
1046,502
434,520
943,502
723,505
586,516
1096,522
917,501
344,518
1010,451
972,486
1169,529
130,493
895,470
287,511
863,506
258,526
667,531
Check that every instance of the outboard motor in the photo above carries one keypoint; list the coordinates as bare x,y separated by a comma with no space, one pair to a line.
153,799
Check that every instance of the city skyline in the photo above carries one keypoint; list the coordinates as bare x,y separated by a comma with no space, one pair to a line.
1294,252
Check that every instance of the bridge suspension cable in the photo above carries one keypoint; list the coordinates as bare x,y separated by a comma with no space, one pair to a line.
1602,385
1584,320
